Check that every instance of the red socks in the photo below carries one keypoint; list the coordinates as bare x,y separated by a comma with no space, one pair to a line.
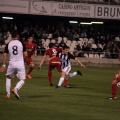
65,82
114,90
50,76
30,70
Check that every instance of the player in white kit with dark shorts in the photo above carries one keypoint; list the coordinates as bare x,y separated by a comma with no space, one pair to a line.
17,52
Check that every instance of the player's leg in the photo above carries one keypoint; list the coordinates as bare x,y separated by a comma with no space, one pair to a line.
74,74
22,77
8,86
9,74
50,75
66,78
114,86
50,68
31,64
63,74
61,80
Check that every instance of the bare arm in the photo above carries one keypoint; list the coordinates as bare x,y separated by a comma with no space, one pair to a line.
78,61
35,53
51,58
4,62
25,55
42,61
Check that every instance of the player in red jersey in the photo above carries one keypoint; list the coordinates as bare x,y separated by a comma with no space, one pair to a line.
115,83
52,51
31,49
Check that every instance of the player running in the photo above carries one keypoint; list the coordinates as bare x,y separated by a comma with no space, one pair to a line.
16,50
65,57
115,83
31,49
52,51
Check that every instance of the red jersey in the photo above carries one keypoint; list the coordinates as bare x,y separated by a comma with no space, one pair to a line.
30,47
52,51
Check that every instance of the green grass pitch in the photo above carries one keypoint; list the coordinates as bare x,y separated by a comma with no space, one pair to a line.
39,101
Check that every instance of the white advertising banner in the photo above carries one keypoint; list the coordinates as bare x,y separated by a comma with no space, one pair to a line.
62,9
107,12
14,6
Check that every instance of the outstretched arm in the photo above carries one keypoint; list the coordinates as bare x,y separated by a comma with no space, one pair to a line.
35,53
51,58
78,61
42,61
4,63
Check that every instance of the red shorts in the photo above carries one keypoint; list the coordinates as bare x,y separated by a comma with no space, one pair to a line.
55,63
29,60
117,78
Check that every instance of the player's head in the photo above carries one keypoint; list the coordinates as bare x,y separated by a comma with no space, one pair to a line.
66,49
14,34
51,45
30,38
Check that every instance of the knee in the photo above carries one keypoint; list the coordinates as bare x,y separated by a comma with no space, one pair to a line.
118,74
114,81
32,65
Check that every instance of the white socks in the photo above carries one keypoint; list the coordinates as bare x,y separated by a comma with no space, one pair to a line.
8,85
72,74
61,81
19,84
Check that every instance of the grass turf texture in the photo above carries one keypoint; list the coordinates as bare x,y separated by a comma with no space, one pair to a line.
39,101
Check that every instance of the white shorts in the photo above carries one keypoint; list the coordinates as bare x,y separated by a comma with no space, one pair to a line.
67,69
16,67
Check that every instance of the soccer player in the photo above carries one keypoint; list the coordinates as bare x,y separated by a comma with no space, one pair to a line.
65,57
115,82
115,85
16,50
31,49
52,51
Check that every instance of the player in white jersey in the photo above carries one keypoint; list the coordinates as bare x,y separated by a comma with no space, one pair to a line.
65,57
17,52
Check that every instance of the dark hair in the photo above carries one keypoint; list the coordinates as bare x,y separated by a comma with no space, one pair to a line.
14,34
30,36
51,45
66,47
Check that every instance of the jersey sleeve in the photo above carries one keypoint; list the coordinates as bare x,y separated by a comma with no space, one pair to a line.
46,52
6,49
71,56
59,49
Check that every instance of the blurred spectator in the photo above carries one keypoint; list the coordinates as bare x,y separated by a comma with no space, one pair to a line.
114,51
42,50
62,44
45,35
98,49
78,51
56,43
76,36
71,37
87,47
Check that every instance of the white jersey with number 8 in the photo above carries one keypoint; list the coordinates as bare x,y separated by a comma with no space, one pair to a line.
15,49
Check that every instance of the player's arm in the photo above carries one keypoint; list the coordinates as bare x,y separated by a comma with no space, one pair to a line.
76,59
80,63
51,58
42,61
4,59
35,51
25,55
